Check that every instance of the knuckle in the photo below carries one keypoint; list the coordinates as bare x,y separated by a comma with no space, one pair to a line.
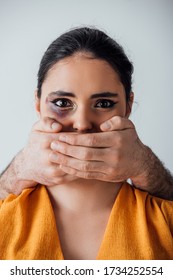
63,160
73,140
86,166
92,141
87,175
85,154
64,148
73,172
51,155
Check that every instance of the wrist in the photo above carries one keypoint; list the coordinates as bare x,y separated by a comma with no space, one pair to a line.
20,181
144,169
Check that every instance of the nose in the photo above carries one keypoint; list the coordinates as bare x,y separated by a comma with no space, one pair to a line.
82,121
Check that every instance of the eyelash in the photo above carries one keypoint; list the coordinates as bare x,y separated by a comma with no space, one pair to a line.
111,103
62,100
70,104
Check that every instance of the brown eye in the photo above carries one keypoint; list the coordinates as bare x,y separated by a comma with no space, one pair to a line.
62,103
105,103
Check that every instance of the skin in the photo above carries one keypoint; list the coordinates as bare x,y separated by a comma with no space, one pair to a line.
69,83
64,77
74,95
122,155
32,164
82,207
82,113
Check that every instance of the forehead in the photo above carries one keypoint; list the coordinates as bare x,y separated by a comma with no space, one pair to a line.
82,73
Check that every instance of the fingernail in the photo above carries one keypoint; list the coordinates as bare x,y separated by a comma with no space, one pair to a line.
54,146
106,125
55,126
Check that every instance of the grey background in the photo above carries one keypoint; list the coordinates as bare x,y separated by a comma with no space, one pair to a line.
144,28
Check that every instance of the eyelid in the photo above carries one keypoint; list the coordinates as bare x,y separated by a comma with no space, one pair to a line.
70,105
58,99
112,102
105,99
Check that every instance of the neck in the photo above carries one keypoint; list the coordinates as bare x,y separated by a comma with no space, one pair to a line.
83,195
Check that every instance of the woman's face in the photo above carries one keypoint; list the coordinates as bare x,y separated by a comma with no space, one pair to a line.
81,93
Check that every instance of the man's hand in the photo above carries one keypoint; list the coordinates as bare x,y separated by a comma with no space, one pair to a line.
115,155
111,156
32,165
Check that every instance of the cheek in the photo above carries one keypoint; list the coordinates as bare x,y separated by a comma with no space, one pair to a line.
62,117
48,109
118,111
59,114
121,109
101,117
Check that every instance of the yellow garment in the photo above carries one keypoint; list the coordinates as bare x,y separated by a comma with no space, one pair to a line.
139,227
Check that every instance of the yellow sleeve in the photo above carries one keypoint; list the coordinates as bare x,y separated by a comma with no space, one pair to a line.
167,209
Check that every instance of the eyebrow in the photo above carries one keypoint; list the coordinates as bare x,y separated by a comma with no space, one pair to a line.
104,94
62,93
93,96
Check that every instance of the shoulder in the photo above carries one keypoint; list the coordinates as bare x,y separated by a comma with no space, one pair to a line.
145,198
28,196
152,206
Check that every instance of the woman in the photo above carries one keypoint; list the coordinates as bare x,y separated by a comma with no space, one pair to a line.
85,79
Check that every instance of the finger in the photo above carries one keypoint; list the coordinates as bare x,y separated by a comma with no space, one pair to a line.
82,153
98,140
47,125
86,175
56,176
55,171
117,123
85,166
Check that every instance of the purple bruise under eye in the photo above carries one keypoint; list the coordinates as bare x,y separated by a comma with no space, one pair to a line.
59,112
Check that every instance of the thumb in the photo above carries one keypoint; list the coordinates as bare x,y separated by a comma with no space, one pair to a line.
116,123
47,125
